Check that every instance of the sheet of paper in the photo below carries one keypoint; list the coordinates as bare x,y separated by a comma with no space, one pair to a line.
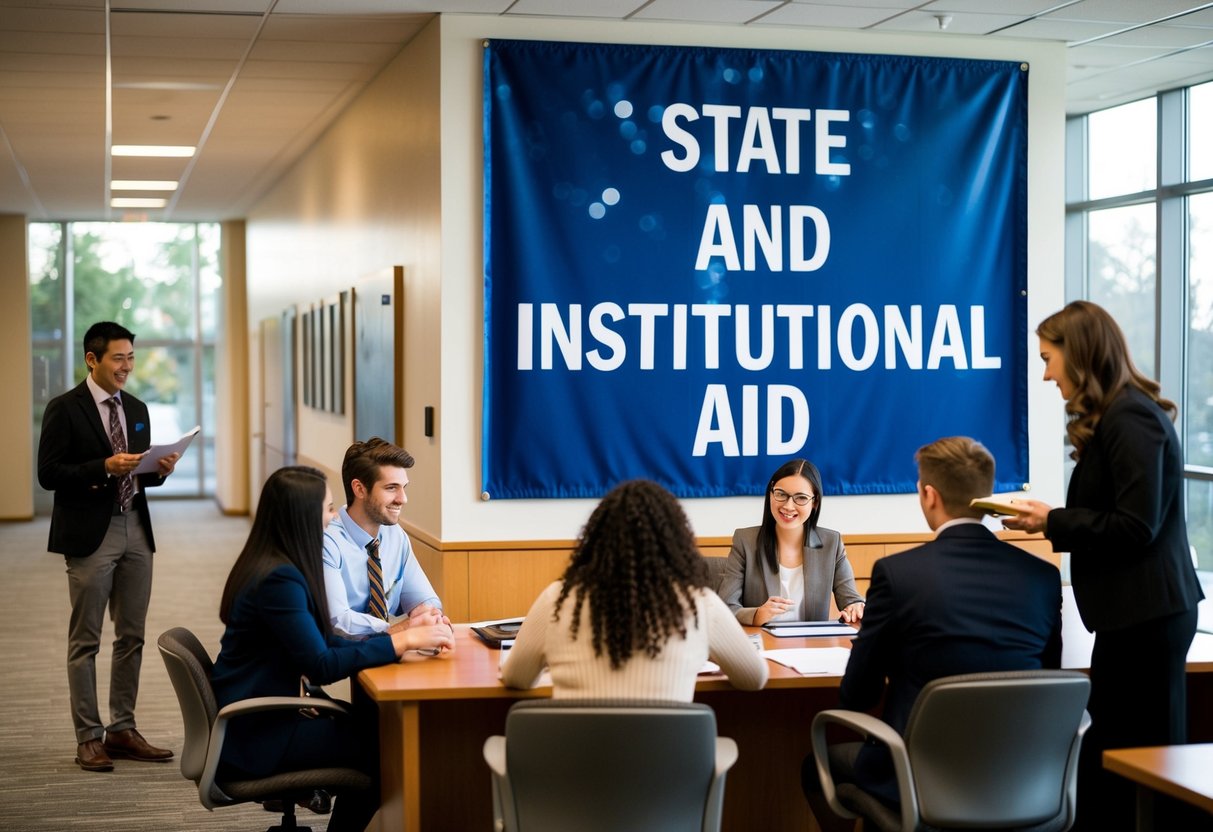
152,456
812,661
830,630
517,620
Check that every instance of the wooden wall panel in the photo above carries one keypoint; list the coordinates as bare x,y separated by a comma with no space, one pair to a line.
505,584
487,580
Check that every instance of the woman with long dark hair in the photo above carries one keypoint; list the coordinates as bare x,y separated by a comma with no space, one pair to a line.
278,629
632,617
1124,527
787,568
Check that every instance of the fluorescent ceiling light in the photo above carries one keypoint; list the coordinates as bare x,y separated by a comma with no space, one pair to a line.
152,150
137,202
143,185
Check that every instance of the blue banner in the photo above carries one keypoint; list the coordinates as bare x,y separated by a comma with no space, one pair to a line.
702,262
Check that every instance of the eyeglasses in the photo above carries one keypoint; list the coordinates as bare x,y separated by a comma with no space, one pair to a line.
781,496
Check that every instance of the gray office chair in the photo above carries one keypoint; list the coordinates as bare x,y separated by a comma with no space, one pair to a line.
606,765
189,669
983,750
715,571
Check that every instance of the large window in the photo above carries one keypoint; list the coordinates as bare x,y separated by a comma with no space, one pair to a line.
161,281
1140,231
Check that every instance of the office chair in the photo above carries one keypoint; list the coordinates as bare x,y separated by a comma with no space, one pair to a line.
982,750
189,669
715,571
598,765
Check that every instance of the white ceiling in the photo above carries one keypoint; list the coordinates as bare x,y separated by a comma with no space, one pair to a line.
253,83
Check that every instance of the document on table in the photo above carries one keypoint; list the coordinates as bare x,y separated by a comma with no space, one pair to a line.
152,456
812,661
811,629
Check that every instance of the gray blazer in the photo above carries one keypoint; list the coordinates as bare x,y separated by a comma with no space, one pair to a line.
748,581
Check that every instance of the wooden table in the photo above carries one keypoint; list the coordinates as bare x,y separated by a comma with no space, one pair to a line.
1184,772
436,714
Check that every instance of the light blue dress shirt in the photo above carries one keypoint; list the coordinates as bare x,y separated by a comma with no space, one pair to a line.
348,588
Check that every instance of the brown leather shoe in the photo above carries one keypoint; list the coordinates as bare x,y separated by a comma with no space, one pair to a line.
131,744
91,756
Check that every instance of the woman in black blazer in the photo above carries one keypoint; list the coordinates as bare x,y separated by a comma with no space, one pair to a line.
1124,527
276,612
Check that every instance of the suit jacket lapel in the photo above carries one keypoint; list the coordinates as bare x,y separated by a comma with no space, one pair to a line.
91,415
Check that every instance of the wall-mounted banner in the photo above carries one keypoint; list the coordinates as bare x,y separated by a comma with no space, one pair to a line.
700,263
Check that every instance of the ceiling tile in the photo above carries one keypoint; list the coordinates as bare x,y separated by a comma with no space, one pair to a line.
837,17
613,9
706,11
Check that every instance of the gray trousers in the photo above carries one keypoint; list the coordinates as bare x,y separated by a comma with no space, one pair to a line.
118,574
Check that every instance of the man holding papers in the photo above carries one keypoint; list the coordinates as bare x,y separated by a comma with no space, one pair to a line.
963,603
93,438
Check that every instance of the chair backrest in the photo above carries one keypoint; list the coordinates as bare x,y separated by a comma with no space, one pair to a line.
996,746
189,668
610,764
715,571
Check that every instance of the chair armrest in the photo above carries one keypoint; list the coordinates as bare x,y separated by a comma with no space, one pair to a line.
503,797
726,756
869,727
494,754
259,704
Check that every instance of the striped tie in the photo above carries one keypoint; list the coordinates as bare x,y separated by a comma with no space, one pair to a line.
126,483
377,605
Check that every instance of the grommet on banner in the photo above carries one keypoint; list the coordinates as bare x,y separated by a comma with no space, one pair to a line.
484,496
1027,486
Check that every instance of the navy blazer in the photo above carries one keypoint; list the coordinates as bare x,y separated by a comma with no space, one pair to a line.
1123,523
71,462
966,602
272,639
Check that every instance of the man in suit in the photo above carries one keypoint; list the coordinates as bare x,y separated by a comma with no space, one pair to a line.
964,603
93,438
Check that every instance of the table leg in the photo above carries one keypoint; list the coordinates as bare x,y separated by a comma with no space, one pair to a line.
1145,809
400,766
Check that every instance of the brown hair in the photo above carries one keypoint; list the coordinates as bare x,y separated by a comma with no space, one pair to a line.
1098,365
636,562
960,469
363,461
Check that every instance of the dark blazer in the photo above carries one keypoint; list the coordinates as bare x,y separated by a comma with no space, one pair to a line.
71,462
748,580
1123,523
964,603
271,640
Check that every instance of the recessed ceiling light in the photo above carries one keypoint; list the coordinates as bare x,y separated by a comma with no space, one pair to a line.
152,150
143,185
137,202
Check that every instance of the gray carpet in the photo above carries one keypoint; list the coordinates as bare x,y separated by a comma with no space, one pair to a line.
41,788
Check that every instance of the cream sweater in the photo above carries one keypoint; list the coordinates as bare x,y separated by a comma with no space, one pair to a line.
578,673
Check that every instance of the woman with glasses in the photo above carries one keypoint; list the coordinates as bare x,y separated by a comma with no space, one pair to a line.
785,569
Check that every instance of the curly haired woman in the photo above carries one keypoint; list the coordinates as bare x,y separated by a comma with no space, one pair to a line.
633,616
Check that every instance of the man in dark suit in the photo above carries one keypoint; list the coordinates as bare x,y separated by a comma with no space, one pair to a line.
93,438
963,603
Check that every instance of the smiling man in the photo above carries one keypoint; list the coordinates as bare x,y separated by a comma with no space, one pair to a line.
93,437
373,580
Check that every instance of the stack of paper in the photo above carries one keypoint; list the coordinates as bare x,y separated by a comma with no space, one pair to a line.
822,661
